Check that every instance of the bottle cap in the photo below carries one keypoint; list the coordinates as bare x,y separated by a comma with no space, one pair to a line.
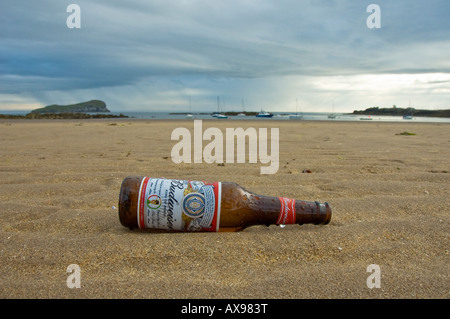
324,212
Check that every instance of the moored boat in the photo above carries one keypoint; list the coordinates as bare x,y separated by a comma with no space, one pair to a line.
264,114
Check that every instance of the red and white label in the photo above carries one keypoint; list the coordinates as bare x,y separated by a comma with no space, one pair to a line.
179,205
287,211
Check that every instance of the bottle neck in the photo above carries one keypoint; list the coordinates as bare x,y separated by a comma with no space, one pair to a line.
283,211
312,212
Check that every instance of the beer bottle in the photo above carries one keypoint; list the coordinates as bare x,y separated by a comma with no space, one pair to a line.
184,205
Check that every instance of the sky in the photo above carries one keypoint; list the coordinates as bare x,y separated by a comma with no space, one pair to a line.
281,56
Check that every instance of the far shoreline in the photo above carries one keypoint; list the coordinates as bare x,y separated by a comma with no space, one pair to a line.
61,116
397,111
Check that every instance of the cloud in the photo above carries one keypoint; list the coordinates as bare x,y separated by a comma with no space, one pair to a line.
258,50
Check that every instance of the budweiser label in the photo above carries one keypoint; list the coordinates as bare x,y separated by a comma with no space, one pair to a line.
179,205
287,211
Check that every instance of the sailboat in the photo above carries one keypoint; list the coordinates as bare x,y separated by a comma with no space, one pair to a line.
189,115
296,116
242,114
264,114
332,115
409,115
218,114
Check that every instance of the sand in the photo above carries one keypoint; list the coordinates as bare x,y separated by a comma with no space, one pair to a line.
60,182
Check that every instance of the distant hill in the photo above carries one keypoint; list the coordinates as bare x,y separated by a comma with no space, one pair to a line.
61,116
93,106
403,111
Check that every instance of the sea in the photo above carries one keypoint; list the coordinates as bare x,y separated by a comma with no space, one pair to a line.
279,116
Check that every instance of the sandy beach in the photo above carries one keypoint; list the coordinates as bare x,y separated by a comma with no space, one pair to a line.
60,183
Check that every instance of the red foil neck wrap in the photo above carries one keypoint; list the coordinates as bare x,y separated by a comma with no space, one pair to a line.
287,211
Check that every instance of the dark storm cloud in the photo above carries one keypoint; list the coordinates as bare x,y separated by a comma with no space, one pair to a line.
124,43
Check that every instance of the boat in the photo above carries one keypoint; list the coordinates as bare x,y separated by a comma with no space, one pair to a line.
410,111
366,118
243,108
296,116
332,115
264,114
218,114
189,115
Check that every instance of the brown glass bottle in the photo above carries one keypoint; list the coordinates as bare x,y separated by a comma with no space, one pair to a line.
155,203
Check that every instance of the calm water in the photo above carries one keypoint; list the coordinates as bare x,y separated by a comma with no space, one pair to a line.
307,116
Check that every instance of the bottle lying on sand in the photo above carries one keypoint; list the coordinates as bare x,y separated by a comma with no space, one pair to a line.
182,205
